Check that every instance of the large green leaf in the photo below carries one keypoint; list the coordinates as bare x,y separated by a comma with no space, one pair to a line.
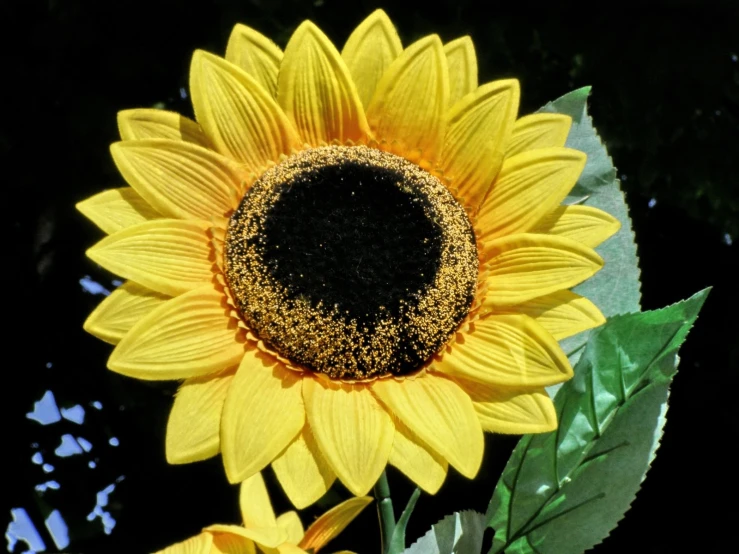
615,289
562,492
458,533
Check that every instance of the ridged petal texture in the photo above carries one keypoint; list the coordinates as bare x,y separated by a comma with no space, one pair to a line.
168,256
526,266
417,460
529,186
441,414
395,113
256,55
120,311
316,90
462,62
584,224
188,336
508,350
254,502
265,536
369,51
478,129
143,123
332,523
354,433
178,179
238,114
193,428
512,410
263,413
117,209
562,314
542,130
302,471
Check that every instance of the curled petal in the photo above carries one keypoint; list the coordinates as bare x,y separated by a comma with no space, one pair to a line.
332,523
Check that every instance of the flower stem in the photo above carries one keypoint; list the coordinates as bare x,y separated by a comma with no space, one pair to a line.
385,511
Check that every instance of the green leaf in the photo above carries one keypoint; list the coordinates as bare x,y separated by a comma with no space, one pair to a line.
562,492
615,289
397,541
458,533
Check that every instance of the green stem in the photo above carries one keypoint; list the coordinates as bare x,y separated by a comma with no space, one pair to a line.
385,511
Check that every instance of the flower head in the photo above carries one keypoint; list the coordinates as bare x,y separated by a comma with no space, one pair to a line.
270,534
352,259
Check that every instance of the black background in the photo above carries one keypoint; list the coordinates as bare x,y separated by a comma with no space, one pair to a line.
665,98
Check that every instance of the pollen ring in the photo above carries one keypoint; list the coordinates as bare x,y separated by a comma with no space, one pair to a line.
351,262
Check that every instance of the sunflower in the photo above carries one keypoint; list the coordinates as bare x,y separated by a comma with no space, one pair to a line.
351,259
267,533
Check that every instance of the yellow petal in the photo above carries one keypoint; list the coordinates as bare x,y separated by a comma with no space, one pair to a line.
440,413
238,115
178,179
529,186
412,98
193,428
117,209
526,266
293,527
462,62
269,537
256,55
224,543
165,255
539,130
369,51
478,129
584,224
508,350
316,91
199,544
354,433
262,414
562,314
188,336
302,471
417,460
256,507
332,523
115,315
510,410
145,123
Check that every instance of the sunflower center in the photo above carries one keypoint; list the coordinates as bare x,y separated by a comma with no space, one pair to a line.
351,262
